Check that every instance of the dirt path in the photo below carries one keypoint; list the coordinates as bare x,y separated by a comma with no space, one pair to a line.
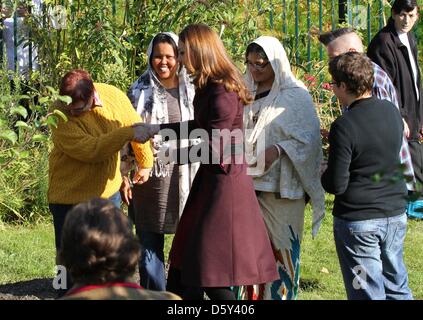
37,289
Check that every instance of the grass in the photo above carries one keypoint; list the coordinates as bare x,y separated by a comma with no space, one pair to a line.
27,252
321,277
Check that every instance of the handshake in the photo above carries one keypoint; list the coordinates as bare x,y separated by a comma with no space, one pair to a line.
144,131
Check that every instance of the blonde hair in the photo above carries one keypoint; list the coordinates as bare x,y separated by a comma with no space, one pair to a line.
207,60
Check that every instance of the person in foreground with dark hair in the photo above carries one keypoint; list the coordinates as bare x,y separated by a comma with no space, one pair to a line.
101,253
363,173
394,48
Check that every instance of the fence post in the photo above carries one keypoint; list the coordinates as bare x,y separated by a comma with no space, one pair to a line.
284,22
333,15
369,24
1,35
381,12
320,28
30,45
271,16
15,41
349,9
308,35
342,12
297,56
114,8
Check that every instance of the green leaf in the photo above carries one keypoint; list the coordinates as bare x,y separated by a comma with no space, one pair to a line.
65,99
52,121
19,110
24,154
44,100
9,135
39,138
21,124
51,89
60,114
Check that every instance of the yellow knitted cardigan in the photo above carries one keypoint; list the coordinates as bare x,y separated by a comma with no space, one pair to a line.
85,161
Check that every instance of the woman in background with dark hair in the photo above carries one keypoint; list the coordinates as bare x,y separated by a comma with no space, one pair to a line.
163,94
101,253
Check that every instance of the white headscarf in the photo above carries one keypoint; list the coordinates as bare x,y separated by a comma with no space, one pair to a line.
284,79
289,110
148,96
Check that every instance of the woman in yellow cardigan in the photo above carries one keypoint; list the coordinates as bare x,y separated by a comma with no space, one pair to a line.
84,162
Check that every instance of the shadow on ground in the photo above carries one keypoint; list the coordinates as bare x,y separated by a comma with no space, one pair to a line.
309,284
37,289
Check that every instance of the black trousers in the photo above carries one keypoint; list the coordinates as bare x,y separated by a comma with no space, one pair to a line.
175,285
416,151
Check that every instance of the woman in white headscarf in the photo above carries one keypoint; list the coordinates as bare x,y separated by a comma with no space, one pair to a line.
283,133
163,94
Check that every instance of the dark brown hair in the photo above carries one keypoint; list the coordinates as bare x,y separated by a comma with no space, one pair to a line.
98,245
406,5
163,38
355,70
207,60
255,48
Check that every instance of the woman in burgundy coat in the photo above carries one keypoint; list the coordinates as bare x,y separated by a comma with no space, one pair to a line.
221,240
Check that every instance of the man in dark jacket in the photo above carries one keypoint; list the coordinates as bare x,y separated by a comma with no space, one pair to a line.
394,48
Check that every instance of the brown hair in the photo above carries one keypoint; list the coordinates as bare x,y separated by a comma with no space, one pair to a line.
98,245
207,60
78,85
355,70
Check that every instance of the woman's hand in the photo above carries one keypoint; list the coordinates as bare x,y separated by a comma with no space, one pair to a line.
406,129
271,154
268,157
143,131
141,176
125,190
